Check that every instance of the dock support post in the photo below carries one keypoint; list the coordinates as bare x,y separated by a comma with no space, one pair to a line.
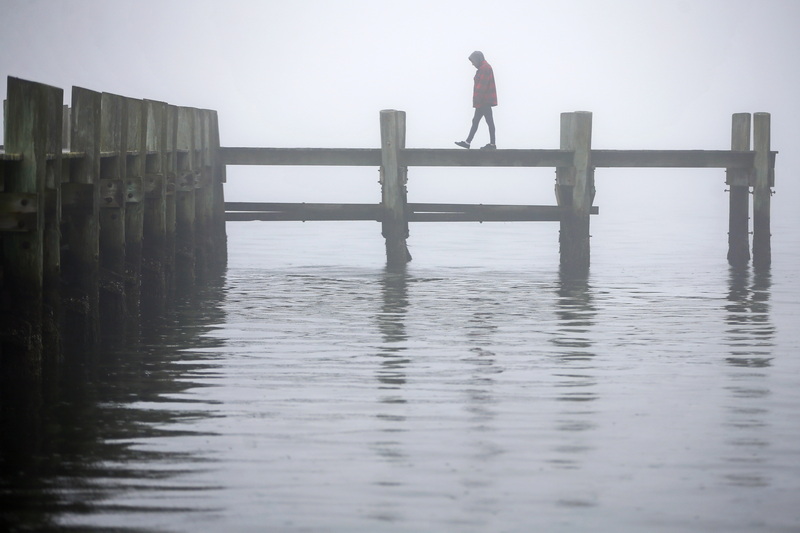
113,140
134,161
155,207
738,180
80,216
575,188
185,209
762,252
26,130
393,185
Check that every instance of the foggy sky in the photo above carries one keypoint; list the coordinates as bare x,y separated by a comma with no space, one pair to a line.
661,74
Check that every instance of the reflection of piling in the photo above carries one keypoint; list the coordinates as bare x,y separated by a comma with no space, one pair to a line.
86,223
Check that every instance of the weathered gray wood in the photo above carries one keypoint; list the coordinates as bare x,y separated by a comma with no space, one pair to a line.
483,158
52,224
204,195
739,201
575,187
113,140
80,225
171,174
762,192
26,130
154,224
134,204
393,186
495,158
185,197
416,212
672,158
300,156
218,179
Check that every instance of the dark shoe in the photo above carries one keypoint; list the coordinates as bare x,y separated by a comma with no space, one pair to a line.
489,146
463,144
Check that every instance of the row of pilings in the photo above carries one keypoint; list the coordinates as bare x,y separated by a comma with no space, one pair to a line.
107,207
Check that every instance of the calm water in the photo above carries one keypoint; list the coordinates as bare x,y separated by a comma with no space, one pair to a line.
309,389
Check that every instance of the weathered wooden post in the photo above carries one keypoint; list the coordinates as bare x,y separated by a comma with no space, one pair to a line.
134,203
738,180
113,142
23,202
204,198
217,183
52,224
575,190
185,198
393,185
762,191
80,220
170,246
155,191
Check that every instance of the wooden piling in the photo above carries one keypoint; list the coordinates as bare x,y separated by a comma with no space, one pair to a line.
738,181
134,205
393,186
185,197
23,195
154,228
52,227
113,143
575,190
170,243
762,191
80,221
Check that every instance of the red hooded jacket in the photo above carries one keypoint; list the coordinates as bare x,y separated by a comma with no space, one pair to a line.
485,91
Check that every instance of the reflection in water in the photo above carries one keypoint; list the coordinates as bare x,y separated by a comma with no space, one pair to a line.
750,335
576,381
91,449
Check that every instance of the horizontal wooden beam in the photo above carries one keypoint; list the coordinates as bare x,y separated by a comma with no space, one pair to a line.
300,212
301,156
672,158
484,158
240,211
410,157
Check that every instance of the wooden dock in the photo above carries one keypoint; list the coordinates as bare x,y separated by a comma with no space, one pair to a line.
108,204
575,161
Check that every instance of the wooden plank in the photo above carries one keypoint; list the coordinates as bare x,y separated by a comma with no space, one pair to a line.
672,158
301,156
484,158
416,212
494,158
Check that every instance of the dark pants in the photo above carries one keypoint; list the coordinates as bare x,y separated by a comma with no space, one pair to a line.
481,112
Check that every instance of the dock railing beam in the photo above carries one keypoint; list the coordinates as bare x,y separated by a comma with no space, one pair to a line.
574,191
393,187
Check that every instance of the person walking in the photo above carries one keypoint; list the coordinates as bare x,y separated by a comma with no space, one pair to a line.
484,97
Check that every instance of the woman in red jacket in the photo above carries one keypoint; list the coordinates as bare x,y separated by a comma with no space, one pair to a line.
484,97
